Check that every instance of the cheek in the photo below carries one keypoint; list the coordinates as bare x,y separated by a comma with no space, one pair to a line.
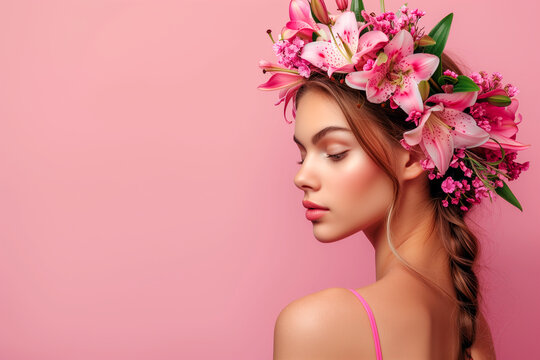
362,189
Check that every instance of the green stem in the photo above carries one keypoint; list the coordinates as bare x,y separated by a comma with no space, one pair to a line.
470,156
382,6
292,71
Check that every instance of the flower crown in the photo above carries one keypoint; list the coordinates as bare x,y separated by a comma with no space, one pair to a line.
465,125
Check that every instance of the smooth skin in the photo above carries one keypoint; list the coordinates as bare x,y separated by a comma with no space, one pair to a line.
414,320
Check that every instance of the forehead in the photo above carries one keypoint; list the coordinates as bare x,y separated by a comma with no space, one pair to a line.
317,110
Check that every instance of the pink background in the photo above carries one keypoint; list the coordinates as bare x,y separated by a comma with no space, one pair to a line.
148,209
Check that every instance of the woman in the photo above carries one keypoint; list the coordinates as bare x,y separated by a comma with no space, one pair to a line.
403,172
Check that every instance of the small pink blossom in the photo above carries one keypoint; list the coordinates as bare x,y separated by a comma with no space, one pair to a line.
414,116
404,144
448,185
450,73
477,182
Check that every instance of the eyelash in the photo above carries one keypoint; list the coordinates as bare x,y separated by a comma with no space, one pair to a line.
335,157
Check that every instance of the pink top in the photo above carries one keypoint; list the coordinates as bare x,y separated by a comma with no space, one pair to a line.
372,323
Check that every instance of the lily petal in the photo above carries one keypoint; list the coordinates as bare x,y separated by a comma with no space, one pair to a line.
458,101
264,64
466,132
290,95
371,41
324,55
401,45
492,93
378,88
408,97
422,65
346,27
280,81
414,136
439,144
506,143
358,79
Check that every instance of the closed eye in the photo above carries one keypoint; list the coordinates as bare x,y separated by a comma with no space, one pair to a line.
337,157
334,157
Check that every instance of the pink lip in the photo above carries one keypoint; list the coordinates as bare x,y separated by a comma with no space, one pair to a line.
311,205
315,214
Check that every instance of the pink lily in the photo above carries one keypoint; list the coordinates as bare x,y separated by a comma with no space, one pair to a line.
445,126
346,49
396,74
503,124
286,80
301,23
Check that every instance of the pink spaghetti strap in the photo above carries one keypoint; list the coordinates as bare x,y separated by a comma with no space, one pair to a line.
372,323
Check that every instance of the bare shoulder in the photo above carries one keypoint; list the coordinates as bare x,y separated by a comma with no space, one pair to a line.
327,324
333,324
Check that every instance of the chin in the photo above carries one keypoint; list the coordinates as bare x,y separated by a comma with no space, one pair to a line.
326,233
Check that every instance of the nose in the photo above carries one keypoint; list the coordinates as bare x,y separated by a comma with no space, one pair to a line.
306,177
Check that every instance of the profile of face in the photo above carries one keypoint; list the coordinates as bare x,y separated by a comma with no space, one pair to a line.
336,173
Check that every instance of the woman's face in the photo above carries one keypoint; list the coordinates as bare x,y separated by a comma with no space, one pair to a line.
336,173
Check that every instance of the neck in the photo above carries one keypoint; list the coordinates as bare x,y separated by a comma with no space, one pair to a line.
415,239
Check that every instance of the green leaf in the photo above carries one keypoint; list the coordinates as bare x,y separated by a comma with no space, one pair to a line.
445,79
507,195
465,84
356,7
440,34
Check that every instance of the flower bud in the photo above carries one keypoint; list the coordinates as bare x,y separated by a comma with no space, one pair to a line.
318,7
499,100
426,40
423,87
342,4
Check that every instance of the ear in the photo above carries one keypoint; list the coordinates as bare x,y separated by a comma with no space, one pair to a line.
408,163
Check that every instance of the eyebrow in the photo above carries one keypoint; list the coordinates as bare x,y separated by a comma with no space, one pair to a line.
318,136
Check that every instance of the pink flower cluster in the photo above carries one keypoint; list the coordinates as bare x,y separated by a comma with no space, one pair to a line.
462,194
464,187
288,53
450,73
512,168
389,24
489,83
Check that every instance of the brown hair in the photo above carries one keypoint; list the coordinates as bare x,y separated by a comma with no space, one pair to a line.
460,243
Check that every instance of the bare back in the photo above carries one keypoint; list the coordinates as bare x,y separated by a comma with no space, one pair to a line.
413,321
